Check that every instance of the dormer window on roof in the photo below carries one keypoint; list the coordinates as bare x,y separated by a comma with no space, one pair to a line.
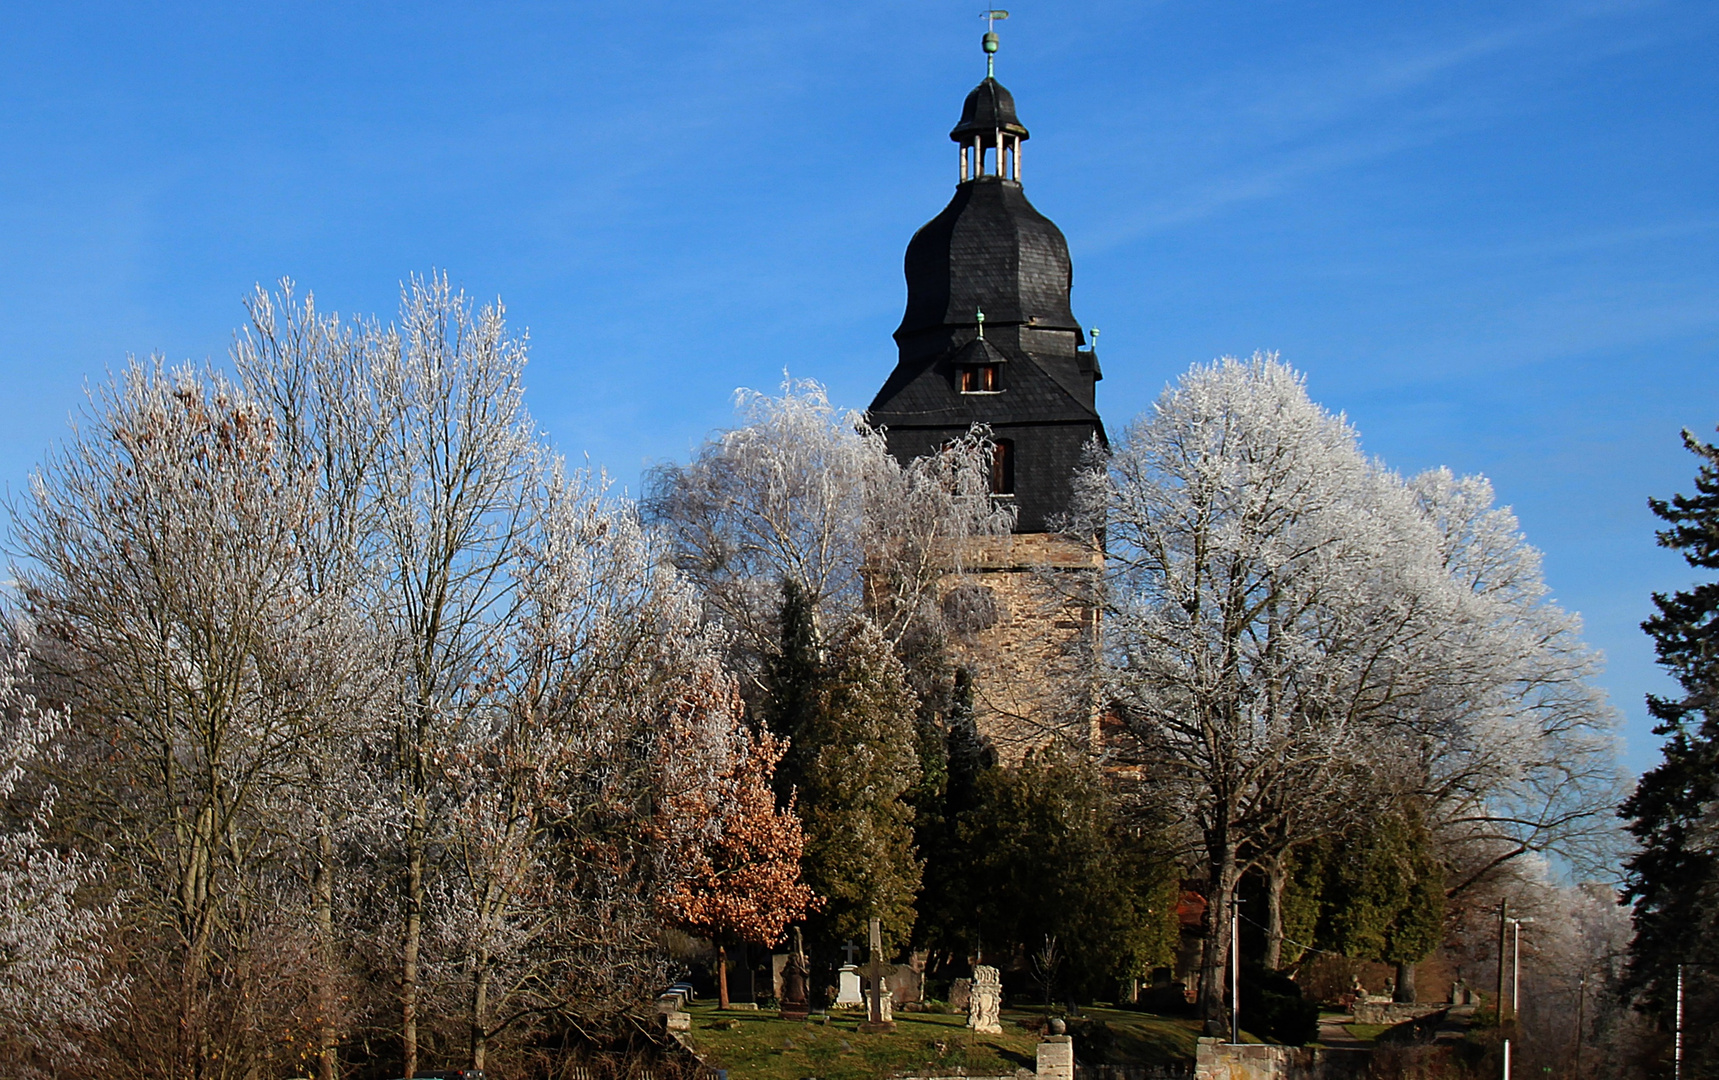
980,379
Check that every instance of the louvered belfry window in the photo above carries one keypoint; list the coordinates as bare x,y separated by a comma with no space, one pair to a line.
1003,467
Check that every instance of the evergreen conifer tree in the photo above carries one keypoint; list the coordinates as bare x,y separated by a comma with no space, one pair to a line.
1044,855
945,923
793,675
850,716
1672,876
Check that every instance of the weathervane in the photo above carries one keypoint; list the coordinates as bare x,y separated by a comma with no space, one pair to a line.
991,16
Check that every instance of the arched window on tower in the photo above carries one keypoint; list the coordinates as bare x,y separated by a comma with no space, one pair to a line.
1003,467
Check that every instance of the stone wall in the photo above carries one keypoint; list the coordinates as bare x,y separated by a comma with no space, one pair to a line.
1219,1060
1392,1012
1030,634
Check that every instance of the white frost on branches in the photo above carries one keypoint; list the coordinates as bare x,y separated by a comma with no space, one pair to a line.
804,492
53,948
1294,634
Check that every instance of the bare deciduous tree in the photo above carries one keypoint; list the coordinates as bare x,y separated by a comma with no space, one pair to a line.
455,456
54,986
161,572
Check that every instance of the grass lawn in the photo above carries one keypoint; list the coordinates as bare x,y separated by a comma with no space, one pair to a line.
1125,1037
759,1046
1366,1032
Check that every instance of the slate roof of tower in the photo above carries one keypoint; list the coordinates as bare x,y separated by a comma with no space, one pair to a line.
990,250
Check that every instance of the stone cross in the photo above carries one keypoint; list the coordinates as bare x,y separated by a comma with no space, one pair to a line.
848,951
877,971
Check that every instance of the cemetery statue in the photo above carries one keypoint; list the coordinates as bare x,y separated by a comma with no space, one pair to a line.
796,982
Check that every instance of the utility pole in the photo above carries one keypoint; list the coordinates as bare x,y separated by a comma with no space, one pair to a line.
1503,926
1581,1013
1235,970
1516,967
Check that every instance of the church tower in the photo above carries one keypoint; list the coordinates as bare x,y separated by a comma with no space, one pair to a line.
988,338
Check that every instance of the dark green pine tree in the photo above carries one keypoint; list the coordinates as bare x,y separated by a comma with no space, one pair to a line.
794,679
1671,877
946,925
1044,854
846,706
968,755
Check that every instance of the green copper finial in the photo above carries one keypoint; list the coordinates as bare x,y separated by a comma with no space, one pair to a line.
980,315
990,40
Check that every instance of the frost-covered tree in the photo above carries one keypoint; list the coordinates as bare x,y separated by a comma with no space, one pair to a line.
455,457
1261,573
1303,643
310,371
55,986
803,492
575,802
805,500
160,580
1512,746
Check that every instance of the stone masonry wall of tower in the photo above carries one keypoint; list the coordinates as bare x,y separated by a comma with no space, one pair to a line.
988,337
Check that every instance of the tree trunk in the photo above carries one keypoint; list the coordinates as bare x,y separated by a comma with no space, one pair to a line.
1215,951
722,976
327,1042
480,1010
1405,991
1276,877
413,937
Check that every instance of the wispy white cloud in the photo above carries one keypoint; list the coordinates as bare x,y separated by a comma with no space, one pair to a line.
1261,131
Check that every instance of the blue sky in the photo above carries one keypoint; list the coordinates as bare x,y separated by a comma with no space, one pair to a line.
1487,232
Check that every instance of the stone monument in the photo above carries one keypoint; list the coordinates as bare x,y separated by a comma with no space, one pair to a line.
848,980
876,971
984,1013
848,986
796,983
1056,1058
961,994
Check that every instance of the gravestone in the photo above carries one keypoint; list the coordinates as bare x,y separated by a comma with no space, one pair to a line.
984,1012
961,994
905,984
848,986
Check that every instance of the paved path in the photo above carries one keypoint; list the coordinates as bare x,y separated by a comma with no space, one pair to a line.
1334,1032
